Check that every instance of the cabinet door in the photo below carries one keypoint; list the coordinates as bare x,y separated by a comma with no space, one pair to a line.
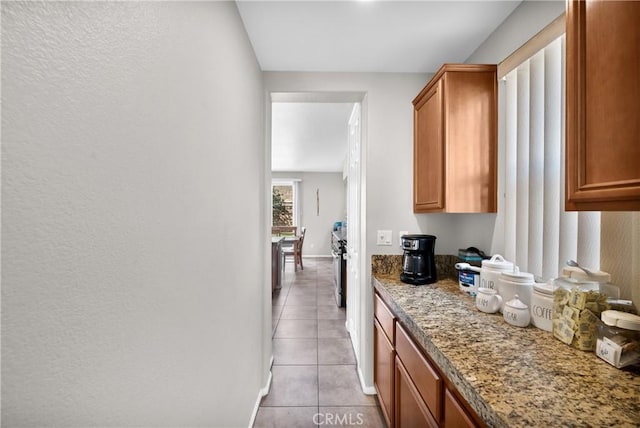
426,379
603,105
428,152
383,371
455,415
411,411
470,117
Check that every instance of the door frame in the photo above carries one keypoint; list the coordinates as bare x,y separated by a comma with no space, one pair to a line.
359,333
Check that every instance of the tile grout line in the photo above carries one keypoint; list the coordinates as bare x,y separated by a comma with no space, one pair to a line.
314,280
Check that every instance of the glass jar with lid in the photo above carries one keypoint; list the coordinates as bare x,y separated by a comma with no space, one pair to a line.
619,338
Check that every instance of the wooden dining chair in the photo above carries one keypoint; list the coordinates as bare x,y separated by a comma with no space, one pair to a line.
295,250
298,248
284,230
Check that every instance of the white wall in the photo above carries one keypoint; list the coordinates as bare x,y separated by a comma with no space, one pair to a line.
523,23
319,224
125,126
620,252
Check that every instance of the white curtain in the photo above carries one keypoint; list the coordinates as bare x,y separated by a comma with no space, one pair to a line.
297,204
538,234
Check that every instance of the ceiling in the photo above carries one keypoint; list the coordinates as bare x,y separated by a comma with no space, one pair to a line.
355,36
309,137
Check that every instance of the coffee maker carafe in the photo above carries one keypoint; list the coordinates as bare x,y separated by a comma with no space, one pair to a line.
418,260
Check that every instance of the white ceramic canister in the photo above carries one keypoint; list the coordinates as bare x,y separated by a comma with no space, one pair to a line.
542,305
512,283
488,300
516,313
491,269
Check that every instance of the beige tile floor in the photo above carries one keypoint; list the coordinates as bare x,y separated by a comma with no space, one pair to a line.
314,371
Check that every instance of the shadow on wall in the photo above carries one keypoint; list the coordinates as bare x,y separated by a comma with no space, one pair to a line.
454,231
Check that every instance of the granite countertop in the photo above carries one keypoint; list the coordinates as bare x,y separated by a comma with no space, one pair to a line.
511,377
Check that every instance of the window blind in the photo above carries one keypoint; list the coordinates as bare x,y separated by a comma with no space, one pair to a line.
538,234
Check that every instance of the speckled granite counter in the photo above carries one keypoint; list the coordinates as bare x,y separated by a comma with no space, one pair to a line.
511,377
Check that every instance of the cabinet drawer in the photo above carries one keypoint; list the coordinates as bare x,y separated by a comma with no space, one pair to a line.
383,372
411,411
454,414
385,318
426,379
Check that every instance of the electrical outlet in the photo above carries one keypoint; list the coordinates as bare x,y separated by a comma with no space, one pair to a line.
384,237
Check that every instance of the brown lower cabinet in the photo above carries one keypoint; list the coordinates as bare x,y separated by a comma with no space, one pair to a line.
410,409
455,414
383,371
411,390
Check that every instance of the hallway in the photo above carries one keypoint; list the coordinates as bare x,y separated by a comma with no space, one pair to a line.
314,370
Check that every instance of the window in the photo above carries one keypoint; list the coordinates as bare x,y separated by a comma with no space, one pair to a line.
285,206
536,231
282,205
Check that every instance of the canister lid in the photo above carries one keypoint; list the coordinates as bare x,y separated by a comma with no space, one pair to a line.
544,288
621,319
524,277
516,303
497,262
580,275
569,283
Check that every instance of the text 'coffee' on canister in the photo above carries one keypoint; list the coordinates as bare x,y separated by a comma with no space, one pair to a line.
542,306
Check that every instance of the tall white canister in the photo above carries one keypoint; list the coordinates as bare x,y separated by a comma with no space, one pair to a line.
542,305
491,269
515,283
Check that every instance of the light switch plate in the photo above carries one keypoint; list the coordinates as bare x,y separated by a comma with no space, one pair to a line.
384,237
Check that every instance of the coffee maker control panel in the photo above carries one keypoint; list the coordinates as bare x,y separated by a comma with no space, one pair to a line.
410,244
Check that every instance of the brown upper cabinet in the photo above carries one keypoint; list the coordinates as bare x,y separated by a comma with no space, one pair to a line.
603,106
455,123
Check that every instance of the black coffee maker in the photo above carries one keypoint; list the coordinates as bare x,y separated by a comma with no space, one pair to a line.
418,260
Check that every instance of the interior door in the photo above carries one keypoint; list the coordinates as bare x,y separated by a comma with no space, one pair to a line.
353,228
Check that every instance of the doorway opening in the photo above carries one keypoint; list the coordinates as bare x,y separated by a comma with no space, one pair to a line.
313,202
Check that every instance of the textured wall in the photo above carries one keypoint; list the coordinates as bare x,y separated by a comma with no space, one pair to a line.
122,304
620,252
524,22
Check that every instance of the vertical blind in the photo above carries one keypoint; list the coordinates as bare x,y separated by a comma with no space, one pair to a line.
538,234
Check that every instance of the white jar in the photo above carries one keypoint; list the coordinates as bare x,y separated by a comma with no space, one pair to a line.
516,313
491,269
542,306
512,283
488,300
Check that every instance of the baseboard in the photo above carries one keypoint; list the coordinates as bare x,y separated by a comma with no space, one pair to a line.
369,390
353,338
261,393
